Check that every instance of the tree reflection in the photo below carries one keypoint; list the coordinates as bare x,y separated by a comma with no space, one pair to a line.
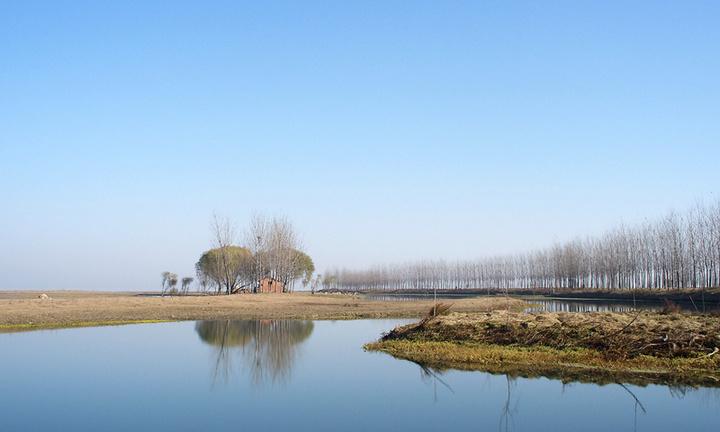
637,404
427,374
267,348
507,412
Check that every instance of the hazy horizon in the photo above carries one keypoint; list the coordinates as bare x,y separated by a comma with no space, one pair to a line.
386,132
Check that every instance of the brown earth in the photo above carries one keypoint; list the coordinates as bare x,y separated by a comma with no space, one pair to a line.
638,348
23,310
614,335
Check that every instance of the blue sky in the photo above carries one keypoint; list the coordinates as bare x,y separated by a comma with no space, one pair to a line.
387,131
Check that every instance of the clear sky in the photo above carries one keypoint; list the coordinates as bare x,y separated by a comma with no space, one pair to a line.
387,131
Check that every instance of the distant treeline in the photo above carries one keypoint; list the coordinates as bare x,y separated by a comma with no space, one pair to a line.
678,251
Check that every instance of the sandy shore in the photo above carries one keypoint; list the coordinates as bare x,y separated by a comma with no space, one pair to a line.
23,310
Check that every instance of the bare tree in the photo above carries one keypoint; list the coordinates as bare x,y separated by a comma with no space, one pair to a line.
172,283
165,275
315,283
671,253
256,238
276,251
185,284
169,281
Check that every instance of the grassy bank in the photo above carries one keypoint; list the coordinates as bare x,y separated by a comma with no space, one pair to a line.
11,328
594,347
21,311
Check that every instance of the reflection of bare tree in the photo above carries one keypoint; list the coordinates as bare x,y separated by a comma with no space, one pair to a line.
268,347
679,391
506,415
709,397
428,374
637,404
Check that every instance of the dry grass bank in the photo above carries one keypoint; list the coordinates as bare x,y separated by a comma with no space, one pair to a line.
25,311
596,347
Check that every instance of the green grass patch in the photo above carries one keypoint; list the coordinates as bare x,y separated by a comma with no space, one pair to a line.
10,328
584,365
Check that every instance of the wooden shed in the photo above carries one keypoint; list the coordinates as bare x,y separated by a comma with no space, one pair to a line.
270,285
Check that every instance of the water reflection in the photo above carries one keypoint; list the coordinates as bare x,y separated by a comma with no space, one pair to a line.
161,380
508,411
562,305
510,396
266,349
544,304
414,297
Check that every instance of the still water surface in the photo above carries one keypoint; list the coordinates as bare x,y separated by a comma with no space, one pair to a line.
297,375
550,304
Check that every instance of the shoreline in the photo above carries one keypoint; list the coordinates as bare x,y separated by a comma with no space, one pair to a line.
542,362
689,296
23,310
598,347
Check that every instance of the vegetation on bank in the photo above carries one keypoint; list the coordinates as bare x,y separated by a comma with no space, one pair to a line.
93,309
10,328
566,365
596,347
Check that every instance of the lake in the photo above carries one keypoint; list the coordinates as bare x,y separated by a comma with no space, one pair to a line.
297,375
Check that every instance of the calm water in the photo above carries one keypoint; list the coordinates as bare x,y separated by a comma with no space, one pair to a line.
545,304
297,375
584,305
411,297
601,305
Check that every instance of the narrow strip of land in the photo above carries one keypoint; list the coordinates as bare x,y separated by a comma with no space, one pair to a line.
598,347
697,297
22,310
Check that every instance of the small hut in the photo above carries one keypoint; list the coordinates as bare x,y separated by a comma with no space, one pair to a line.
270,285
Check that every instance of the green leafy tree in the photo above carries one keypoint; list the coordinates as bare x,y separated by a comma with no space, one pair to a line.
228,268
303,268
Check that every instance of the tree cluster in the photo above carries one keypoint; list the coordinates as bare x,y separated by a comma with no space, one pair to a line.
270,249
170,281
677,251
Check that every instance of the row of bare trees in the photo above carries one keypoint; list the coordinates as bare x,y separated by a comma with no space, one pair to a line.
170,281
270,249
677,251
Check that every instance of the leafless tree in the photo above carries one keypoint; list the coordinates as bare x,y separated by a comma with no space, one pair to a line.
315,283
276,250
165,275
169,281
172,283
185,285
677,251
